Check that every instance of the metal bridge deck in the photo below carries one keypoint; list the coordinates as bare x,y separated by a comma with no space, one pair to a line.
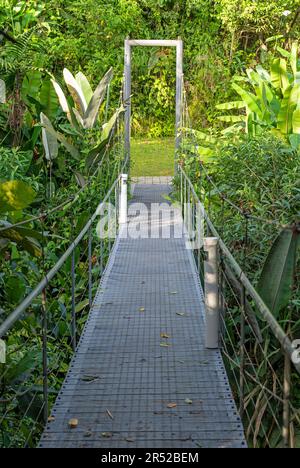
128,384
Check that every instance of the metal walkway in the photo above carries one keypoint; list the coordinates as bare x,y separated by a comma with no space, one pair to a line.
141,376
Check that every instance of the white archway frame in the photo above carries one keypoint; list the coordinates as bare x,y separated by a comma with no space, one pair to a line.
127,83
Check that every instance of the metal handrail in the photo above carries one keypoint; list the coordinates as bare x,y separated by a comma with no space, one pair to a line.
20,309
276,328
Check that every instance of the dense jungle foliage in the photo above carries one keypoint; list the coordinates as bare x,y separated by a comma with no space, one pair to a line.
60,109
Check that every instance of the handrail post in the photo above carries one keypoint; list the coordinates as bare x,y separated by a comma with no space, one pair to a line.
123,200
45,356
211,292
90,246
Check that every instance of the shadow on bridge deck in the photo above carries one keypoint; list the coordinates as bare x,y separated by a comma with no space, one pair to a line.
141,376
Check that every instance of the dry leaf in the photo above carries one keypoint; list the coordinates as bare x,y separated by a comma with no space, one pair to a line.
109,414
171,405
73,423
164,335
164,345
51,418
142,309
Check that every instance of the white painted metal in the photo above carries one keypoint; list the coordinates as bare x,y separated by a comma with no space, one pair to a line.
127,84
211,292
123,199
153,43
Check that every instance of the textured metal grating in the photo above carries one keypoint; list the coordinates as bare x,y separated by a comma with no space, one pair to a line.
121,380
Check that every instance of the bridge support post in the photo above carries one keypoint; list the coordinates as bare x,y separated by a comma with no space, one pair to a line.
123,200
211,292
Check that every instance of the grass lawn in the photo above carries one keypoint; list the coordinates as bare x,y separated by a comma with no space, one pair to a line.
152,157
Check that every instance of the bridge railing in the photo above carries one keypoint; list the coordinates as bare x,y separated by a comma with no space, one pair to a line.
39,337
259,353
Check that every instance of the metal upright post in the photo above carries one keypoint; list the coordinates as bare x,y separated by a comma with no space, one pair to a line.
242,351
45,356
211,292
73,312
286,400
90,267
179,73
127,93
123,200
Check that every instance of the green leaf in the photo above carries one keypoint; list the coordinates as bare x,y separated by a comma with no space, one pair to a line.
80,179
15,195
250,99
79,307
276,281
61,138
232,118
231,105
14,289
91,114
49,138
296,121
26,238
62,98
279,75
31,84
75,91
48,99
109,127
289,103
294,140
294,58
21,370
85,86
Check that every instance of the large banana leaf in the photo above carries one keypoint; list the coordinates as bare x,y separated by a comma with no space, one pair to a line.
85,86
232,118
276,281
15,195
109,127
201,135
296,120
250,99
289,103
31,84
48,99
55,136
231,105
279,75
75,91
294,58
92,110
49,138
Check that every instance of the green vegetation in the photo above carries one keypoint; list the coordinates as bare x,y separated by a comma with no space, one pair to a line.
153,157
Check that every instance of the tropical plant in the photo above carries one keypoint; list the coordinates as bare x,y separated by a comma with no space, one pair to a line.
274,103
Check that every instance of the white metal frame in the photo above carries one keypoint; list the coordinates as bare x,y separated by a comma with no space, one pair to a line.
127,84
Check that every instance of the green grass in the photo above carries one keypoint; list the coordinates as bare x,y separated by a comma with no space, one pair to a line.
152,157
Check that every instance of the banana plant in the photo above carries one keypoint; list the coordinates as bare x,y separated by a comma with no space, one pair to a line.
87,103
273,103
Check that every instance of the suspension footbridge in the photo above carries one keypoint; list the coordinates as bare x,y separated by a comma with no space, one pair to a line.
172,351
